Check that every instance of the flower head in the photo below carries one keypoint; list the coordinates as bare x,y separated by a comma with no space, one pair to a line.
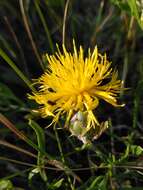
74,83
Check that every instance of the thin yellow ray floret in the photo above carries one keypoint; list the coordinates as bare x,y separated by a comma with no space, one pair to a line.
73,82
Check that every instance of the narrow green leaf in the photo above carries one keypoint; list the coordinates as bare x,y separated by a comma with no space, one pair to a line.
130,6
32,173
56,184
41,16
125,155
16,69
41,145
7,94
134,10
100,183
7,46
20,134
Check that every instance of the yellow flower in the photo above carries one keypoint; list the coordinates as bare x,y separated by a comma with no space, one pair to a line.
74,82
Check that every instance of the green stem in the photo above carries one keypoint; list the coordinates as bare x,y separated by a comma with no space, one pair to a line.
62,156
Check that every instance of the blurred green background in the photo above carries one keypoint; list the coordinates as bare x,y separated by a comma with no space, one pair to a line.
28,30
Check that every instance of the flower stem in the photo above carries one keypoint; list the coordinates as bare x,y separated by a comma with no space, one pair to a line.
62,156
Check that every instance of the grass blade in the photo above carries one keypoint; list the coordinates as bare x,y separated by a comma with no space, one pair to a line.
44,25
16,69
26,24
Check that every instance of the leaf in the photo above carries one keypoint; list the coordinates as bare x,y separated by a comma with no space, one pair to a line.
136,150
130,6
7,46
41,144
135,11
7,95
6,185
33,173
100,183
16,69
20,134
56,184
122,5
43,20
40,134
126,153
